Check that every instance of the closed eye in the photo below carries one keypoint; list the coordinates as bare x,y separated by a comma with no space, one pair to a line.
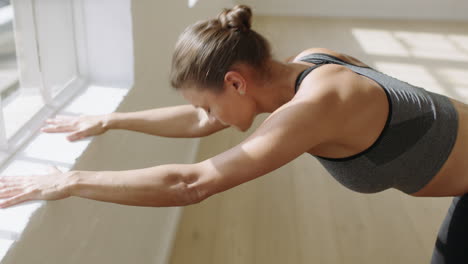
206,110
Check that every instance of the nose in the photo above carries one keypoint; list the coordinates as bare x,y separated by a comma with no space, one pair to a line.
211,118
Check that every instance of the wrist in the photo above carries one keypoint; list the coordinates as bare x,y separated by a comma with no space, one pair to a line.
72,179
109,121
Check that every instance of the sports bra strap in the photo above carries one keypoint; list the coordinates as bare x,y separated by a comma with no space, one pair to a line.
320,59
302,75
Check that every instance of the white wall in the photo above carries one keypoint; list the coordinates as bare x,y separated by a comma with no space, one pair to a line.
396,9
109,64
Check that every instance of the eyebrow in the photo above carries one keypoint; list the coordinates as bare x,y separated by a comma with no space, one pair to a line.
197,106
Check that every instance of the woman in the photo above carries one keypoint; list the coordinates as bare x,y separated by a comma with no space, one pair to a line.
370,131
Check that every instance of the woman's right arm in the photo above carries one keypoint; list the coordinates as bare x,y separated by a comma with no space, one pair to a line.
182,121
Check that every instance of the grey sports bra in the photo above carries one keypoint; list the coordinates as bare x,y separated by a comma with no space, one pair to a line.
417,139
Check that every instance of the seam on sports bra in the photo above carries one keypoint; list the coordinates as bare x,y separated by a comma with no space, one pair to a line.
333,57
302,75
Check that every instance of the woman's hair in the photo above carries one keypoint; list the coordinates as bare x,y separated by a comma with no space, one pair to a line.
207,49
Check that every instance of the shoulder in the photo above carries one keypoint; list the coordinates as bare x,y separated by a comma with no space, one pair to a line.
339,55
312,51
290,131
324,82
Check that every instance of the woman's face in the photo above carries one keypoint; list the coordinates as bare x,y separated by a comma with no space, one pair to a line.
229,107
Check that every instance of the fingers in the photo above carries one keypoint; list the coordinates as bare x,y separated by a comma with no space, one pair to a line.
57,128
54,126
19,198
11,181
10,184
76,136
60,119
9,192
16,189
72,137
60,123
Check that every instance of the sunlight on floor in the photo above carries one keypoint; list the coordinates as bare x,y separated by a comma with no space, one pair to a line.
461,41
457,79
456,76
429,45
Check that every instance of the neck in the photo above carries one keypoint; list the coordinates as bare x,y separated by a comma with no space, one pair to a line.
278,88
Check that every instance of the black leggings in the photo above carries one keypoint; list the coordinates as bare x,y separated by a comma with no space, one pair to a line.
451,245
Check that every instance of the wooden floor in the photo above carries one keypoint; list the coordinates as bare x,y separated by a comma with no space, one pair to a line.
299,213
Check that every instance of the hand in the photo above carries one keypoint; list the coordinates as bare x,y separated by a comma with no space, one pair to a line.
80,126
18,189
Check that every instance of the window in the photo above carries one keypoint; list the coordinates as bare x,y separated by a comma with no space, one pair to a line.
8,65
39,65
63,48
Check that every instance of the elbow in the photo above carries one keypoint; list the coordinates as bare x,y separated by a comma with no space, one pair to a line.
190,195
192,190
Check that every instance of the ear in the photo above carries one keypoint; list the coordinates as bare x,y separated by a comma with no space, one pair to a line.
234,80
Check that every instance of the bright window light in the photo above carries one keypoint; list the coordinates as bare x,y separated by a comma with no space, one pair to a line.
192,3
6,14
91,102
19,111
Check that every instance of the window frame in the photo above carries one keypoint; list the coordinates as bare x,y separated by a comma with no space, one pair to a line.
30,62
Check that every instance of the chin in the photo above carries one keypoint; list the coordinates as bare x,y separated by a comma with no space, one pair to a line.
243,129
244,126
